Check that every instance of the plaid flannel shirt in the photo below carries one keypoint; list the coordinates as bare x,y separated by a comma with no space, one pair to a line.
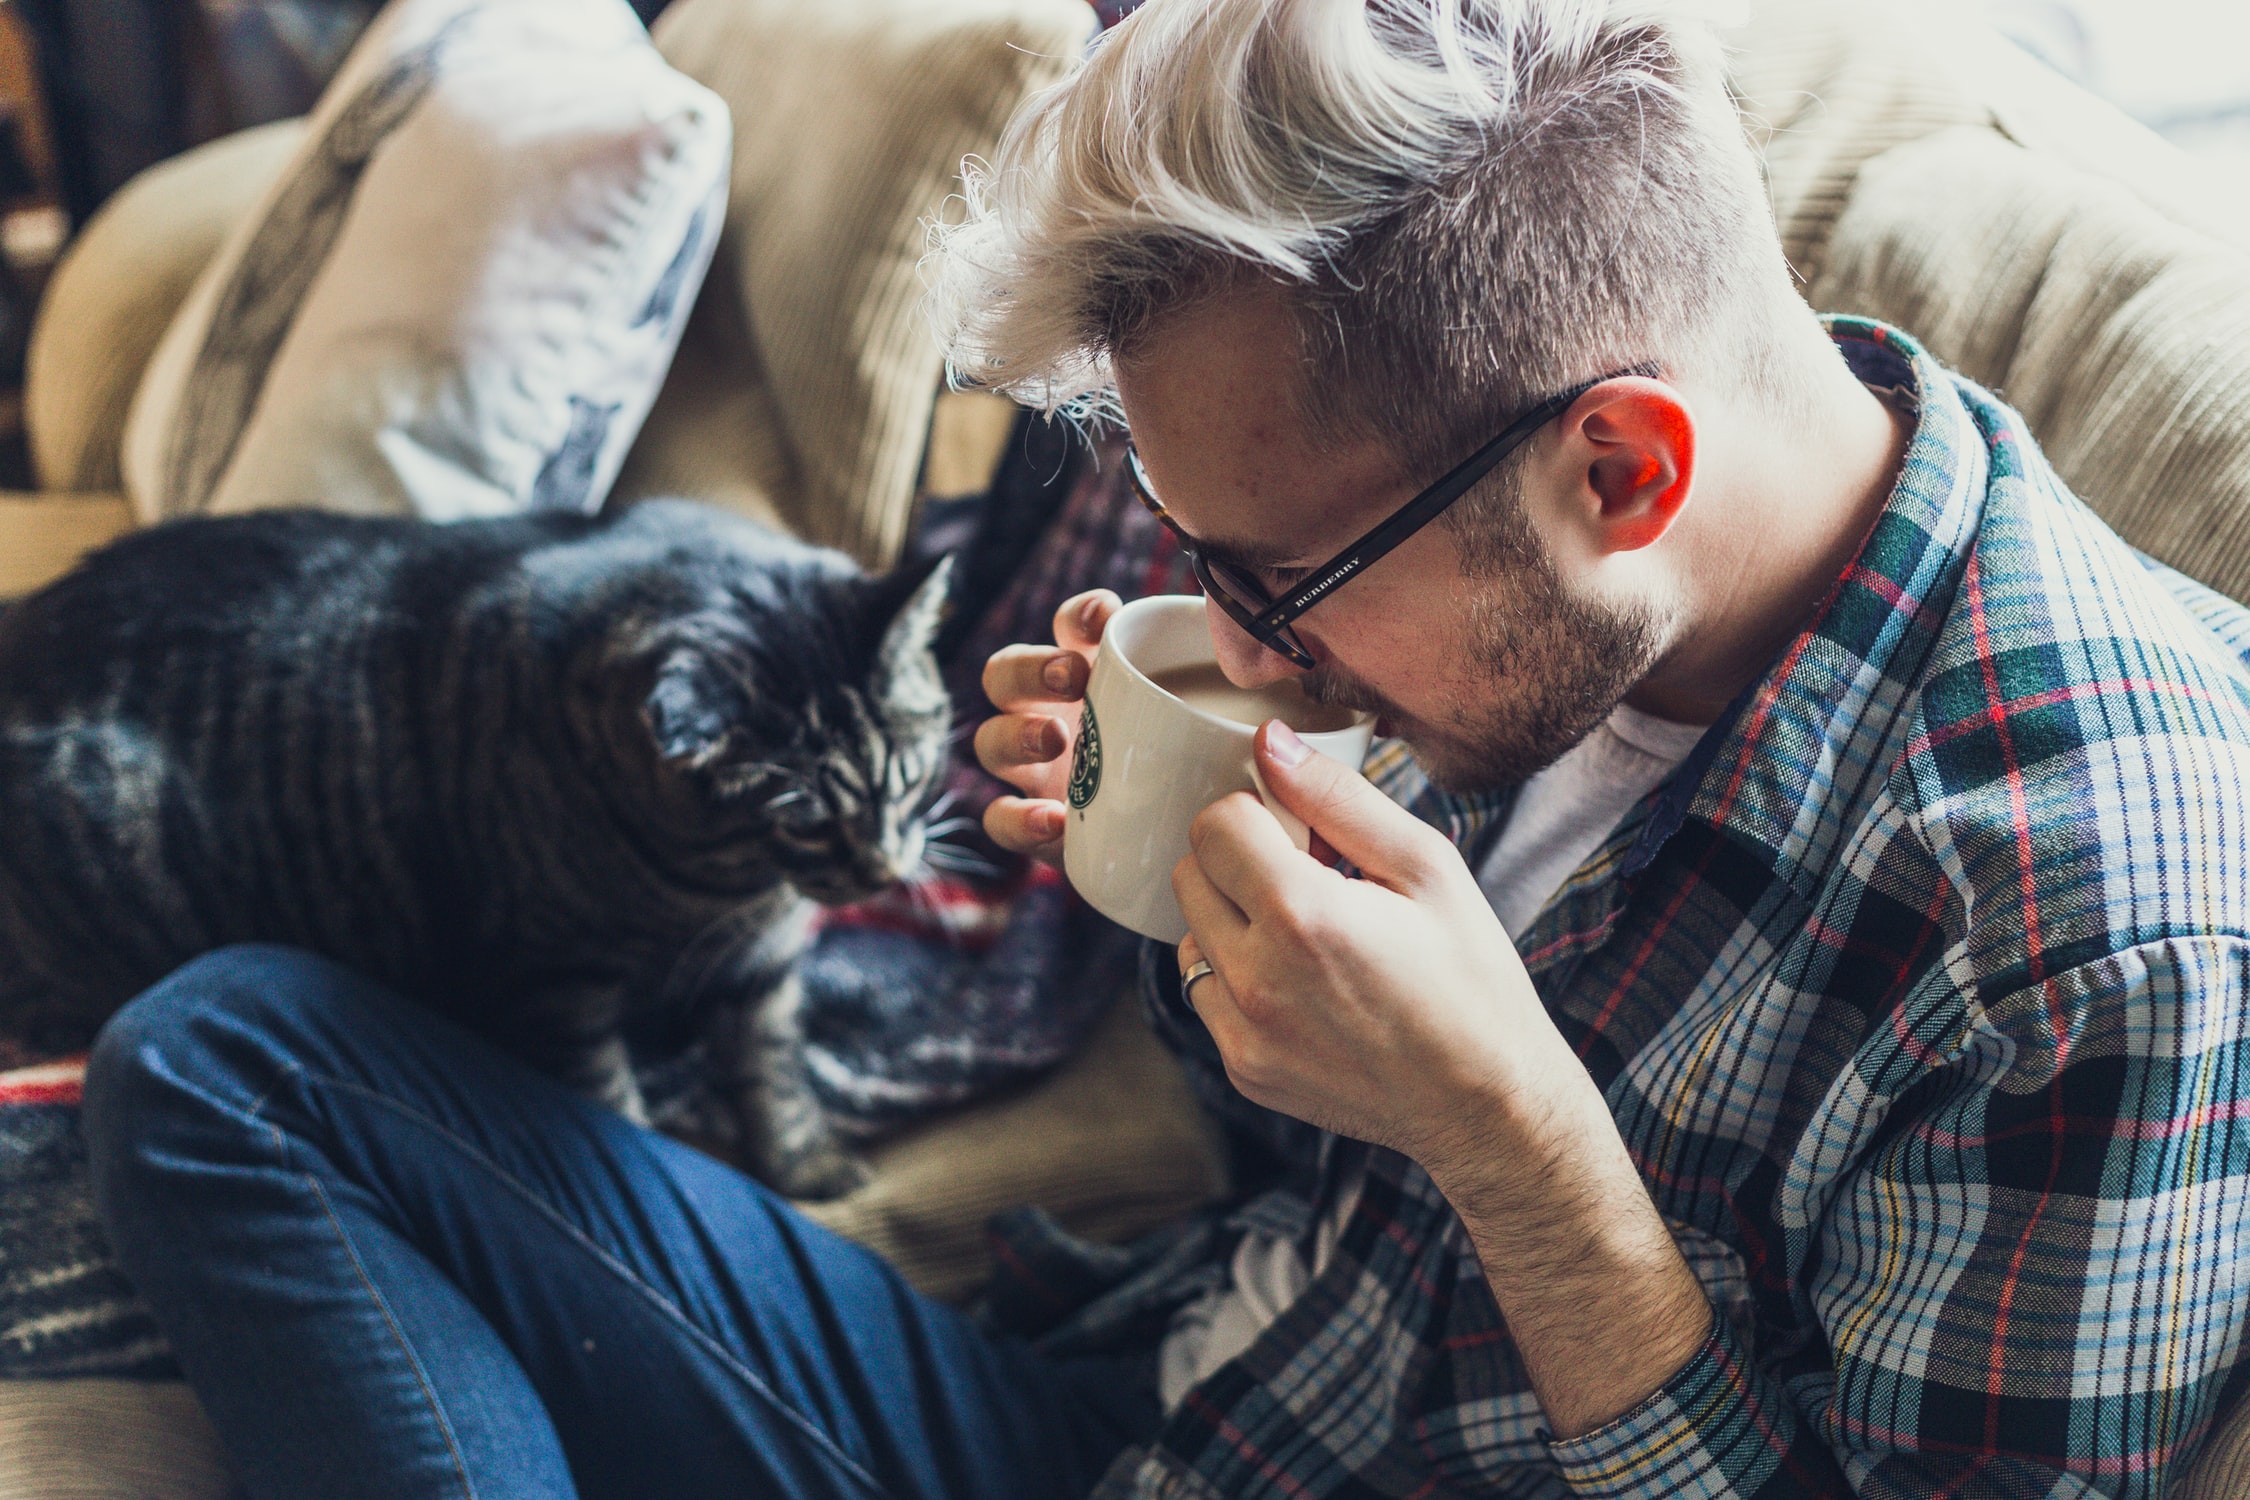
1919,997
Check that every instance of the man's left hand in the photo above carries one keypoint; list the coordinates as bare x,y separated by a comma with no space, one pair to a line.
1391,1008
1394,1009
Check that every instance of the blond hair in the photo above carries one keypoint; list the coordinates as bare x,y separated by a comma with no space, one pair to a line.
1475,202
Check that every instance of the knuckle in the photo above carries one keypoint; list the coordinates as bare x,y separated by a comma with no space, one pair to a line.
1255,1000
1438,852
1215,820
1000,827
1011,674
999,739
1009,822
987,742
1298,925
996,675
1070,612
1248,1067
1423,847
1080,619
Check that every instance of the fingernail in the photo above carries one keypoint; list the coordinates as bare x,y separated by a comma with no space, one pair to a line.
1051,821
1035,738
1056,674
1283,744
1090,613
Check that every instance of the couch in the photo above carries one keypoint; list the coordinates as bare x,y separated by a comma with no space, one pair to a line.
1921,170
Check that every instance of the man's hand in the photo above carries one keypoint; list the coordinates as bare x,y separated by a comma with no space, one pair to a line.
1027,744
1380,1008
1393,1008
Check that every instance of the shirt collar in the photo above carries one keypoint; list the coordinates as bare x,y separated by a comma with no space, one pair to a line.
1800,748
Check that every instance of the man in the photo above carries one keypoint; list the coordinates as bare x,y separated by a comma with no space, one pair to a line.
1818,1077
1885,996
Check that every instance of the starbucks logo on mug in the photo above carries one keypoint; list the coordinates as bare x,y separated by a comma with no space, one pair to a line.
1086,760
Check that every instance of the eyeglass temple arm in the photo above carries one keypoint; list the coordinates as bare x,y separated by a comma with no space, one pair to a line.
1457,481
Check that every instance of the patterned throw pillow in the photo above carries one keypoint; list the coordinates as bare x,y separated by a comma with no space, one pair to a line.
461,295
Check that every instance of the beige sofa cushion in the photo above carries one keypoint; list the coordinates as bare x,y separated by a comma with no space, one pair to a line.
805,384
116,291
43,536
1824,88
1112,1144
108,1440
1925,171
2124,339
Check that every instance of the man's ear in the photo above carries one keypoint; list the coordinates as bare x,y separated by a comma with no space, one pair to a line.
1643,465
695,711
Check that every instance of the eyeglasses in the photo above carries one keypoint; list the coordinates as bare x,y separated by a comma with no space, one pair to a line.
1266,619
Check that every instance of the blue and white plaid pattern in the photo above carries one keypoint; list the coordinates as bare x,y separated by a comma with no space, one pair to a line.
1920,1000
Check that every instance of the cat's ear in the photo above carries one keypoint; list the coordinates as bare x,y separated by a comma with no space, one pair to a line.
907,605
695,711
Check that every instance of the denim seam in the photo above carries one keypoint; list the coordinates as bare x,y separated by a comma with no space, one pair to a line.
359,1268
853,1469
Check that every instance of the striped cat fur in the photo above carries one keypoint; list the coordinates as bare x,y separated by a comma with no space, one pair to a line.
560,778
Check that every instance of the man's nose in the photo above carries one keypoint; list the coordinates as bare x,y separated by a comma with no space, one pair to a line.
1246,663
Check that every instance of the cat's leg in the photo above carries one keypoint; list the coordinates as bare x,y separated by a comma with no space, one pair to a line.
755,1049
604,1074
574,1035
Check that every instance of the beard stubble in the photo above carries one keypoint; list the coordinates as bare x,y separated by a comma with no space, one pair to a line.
1544,666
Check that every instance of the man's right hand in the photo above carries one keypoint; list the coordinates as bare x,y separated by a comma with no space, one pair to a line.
1027,744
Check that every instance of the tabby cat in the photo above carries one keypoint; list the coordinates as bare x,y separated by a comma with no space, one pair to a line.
558,777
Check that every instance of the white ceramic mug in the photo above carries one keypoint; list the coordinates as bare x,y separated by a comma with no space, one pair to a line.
1146,763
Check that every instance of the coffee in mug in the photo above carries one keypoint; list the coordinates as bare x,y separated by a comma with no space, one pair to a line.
1162,736
1202,685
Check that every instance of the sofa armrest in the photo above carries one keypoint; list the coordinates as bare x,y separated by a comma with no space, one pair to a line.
108,1439
42,537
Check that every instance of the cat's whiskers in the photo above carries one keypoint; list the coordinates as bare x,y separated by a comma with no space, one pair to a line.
953,859
944,826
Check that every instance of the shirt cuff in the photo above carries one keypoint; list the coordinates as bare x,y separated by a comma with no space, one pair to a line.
1717,1428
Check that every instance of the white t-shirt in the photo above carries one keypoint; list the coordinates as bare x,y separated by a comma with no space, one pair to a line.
1561,816
1564,813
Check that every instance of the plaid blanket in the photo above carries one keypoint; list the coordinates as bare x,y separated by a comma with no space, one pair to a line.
989,968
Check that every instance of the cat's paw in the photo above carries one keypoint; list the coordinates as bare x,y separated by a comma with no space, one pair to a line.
830,1170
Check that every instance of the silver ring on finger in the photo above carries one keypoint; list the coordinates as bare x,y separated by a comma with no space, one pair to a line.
1200,969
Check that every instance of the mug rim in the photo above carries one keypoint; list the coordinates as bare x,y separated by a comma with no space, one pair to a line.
1159,602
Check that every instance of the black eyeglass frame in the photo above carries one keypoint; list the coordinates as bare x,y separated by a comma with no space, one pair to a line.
1266,620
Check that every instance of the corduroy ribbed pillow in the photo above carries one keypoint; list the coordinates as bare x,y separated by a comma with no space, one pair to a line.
803,388
117,290
2122,337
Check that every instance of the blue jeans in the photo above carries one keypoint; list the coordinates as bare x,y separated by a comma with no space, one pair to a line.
397,1264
